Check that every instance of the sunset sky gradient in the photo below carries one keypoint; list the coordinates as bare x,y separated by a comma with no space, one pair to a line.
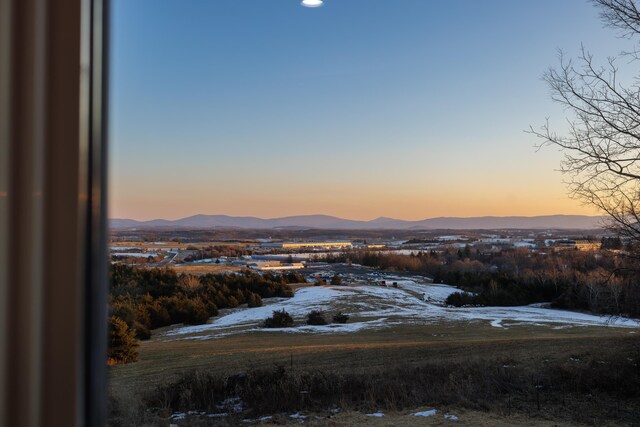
362,108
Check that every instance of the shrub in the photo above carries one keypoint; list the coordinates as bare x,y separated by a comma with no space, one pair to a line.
279,319
479,384
316,317
458,299
341,318
336,280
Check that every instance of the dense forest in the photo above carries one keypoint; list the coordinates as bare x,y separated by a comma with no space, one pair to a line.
145,299
603,282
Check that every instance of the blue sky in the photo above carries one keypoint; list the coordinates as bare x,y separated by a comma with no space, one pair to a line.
361,108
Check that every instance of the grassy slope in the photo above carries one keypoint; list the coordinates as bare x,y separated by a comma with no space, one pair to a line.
159,360
530,348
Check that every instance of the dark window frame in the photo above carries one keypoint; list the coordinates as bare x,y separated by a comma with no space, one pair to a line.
53,212
96,265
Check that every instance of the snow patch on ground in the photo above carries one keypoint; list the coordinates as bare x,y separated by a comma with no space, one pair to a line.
234,404
257,420
304,300
220,415
332,328
376,414
429,413
414,301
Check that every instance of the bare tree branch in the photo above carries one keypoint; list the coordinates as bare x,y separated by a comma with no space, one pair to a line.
601,146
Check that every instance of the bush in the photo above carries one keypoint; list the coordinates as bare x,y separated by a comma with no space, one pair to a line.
458,299
341,318
279,319
316,317
336,280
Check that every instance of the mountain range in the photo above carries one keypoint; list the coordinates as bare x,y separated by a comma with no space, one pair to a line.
335,223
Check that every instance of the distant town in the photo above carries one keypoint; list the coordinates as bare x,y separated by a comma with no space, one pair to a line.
196,252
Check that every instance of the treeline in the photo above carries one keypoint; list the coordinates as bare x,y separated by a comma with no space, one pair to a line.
597,291
600,282
217,252
127,259
422,262
146,299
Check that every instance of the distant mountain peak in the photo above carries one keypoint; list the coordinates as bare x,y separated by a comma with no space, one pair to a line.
321,221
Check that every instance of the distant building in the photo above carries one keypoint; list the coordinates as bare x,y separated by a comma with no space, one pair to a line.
288,266
303,245
586,245
561,245
271,265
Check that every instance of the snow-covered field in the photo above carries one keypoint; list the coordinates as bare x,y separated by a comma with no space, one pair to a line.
413,302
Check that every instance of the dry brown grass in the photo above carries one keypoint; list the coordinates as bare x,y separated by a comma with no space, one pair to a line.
365,353
406,419
160,359
590,381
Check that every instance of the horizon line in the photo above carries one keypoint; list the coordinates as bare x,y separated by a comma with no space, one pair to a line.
351,219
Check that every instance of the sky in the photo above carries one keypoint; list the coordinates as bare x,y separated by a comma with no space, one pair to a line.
408,109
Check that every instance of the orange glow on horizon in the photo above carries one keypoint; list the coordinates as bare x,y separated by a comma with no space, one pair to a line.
358,208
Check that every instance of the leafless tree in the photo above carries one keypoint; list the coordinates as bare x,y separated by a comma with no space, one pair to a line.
616,287
601,146
189,282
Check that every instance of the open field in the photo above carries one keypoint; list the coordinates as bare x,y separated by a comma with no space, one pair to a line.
399,329
372,351
159,360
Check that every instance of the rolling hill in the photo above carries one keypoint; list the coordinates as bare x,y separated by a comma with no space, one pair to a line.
331,222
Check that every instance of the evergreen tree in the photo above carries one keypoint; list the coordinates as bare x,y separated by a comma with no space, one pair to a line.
254,300
123,346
